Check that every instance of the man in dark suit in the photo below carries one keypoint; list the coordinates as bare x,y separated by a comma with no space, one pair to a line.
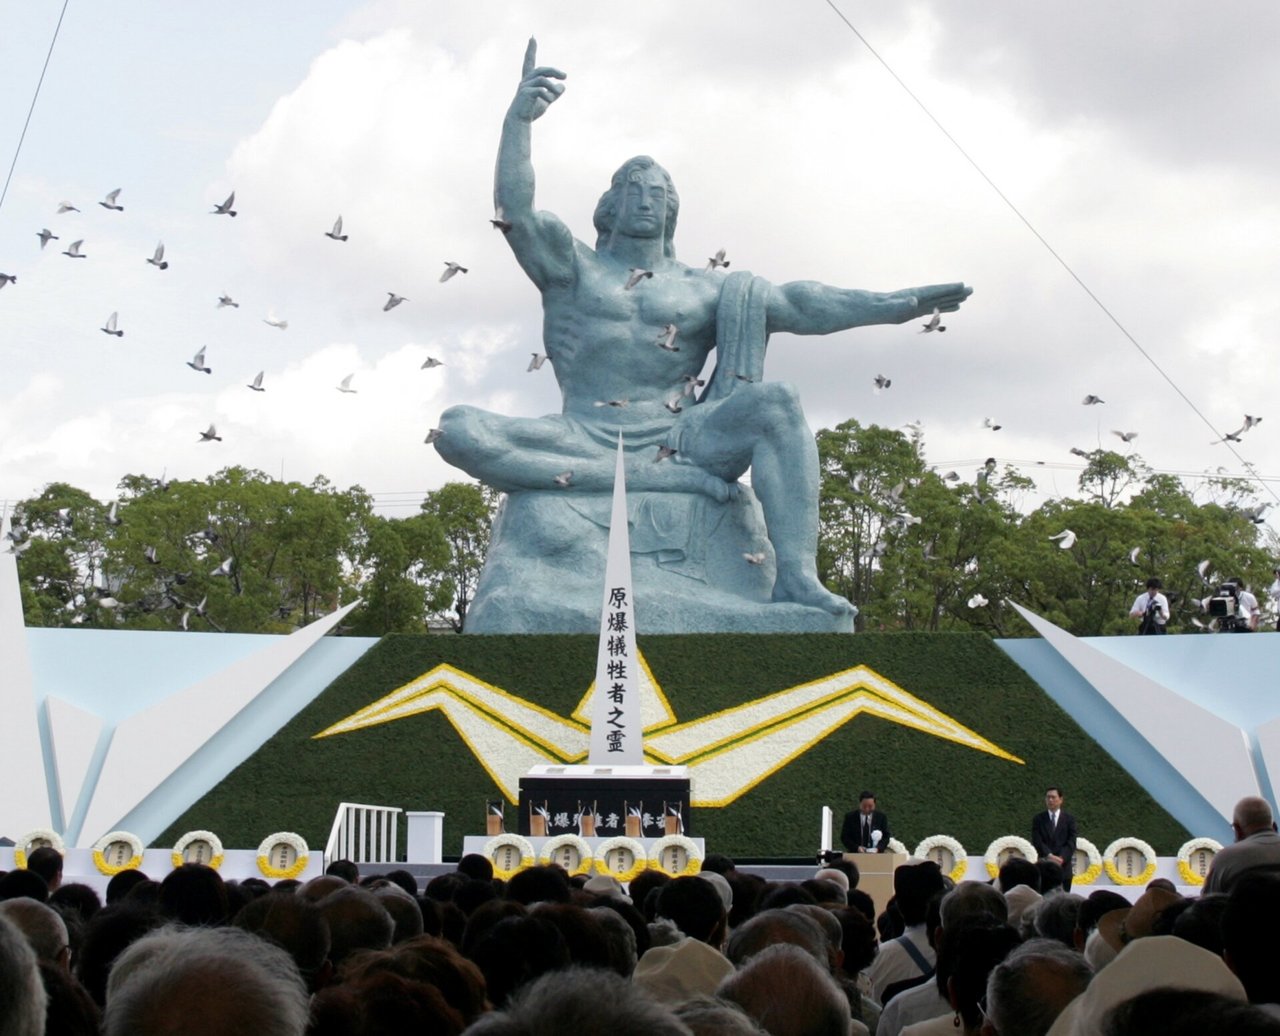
856,831
1053,834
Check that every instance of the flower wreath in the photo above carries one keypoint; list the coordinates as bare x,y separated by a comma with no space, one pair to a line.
638,859
527,856
690,847
1090,874
896,847
280,873
551,845
112,869
215,848
1148,855
992,856
952,846
1189,876
39,834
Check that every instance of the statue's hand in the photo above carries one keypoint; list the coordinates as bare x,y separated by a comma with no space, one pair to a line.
539,87
920,302
719,490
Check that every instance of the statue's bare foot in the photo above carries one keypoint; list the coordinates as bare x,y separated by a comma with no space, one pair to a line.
801,587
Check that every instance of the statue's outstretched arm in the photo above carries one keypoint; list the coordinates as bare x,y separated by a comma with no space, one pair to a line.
812,308
542,244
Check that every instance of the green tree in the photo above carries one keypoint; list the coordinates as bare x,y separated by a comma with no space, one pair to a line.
397,559
464,512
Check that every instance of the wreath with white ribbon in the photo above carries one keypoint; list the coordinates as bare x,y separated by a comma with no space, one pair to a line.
992,856
638,859
208,837
1148,861
111,869
37,835
552,845
522,845
693,858
1090,874
1189,875
896,847
957,851
295,842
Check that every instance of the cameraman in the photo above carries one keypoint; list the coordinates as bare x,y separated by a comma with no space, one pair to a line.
1152,608
1274,594
1247,610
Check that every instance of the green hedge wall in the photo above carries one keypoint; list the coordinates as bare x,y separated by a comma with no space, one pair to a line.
926,785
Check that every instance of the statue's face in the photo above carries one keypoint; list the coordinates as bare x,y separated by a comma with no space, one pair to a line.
642,207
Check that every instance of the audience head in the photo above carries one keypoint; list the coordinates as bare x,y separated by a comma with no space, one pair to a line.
47,862
23,884
204,982
718,863
1056,918
295,925
120,884
1016,871
857,940
1187,1012
1250,923
771,927
344,869
403,908
543,884
709,1016
643,884
789,993
21,990
1251,815
515,951
357,921
914,884
112,930
573,1001
82,900
696,908
1029,989
194,894
43,927
1200,923
978,947
476,867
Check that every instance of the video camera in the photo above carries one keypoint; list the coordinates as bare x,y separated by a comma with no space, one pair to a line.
1224,606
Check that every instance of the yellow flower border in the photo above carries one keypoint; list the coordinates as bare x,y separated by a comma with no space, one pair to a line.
180,847
1109,861
992,856
953,846
687,844
283,873
1091,873
640,861
38,834
559,842
109,869
1190,877
527,854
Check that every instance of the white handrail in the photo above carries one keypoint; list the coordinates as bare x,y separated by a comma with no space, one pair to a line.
363,834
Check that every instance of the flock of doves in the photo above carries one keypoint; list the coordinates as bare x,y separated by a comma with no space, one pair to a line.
111,202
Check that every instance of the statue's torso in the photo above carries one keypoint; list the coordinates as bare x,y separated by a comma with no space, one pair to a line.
602,337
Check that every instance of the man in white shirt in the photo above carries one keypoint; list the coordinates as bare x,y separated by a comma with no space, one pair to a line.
1247,611
1274,594
1152,608
909,956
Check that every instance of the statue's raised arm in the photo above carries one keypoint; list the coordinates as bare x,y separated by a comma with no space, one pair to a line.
541,242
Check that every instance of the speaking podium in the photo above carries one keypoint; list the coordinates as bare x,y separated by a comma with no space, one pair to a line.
875,874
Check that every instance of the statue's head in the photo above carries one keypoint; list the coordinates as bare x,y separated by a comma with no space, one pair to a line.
632,170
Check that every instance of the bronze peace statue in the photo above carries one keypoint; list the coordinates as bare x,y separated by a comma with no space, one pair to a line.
627,329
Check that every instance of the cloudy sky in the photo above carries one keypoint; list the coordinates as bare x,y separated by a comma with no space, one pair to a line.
1136,139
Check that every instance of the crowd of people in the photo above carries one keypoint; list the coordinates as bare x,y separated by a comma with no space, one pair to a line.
719,953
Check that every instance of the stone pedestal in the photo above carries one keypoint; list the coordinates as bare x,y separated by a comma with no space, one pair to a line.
546,559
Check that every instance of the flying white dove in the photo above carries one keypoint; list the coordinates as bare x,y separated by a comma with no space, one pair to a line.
227,300
667,340
563,479
345,384
450,268
157,260
110,201
196,363
1125,436
1066,539
271,320
222,570
664,452
336,233
46,236
113,516
717,260
636,276
674,405
1079,452
210,435
616,403
1092,400
73,250
756,559
881,382
66,206
433,434
110,326
691,384
934,323
431,362
1133,555
500,221
225,209
5,278
1202,570
150,554
978,601
536,361
393,300
256,384
988,423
